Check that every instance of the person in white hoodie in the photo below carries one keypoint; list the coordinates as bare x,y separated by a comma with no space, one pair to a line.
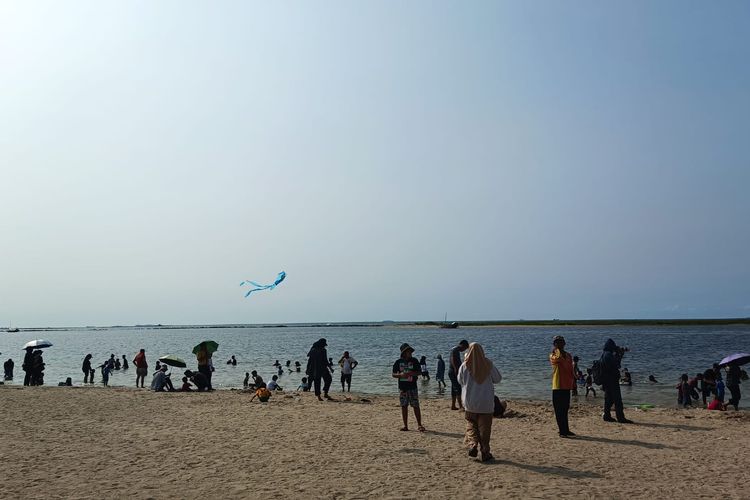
477,375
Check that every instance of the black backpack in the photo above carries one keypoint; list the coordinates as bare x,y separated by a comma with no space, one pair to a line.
597,372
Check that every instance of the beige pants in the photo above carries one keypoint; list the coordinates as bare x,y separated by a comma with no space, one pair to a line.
478,430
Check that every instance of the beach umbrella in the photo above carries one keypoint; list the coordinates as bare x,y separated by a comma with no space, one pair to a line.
739,358
211,346
38,344
172,360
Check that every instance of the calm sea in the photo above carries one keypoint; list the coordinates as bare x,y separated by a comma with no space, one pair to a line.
519,352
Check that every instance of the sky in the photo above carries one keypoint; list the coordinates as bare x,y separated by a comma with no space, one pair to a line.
399,160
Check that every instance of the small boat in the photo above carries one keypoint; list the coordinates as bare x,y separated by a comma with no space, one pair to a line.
445,323
11,329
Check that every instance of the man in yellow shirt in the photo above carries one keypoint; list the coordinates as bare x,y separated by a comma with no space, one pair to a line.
563,381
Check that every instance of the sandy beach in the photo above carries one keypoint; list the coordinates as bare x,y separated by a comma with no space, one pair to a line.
96,442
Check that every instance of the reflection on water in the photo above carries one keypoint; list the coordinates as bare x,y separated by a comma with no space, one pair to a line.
519,352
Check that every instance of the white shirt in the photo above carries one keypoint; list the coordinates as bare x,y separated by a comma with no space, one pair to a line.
346,365
272,385
478,398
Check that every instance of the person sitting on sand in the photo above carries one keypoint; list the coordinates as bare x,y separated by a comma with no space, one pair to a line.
440,372
406,370
199,379
262,393
304,386
158,382
717,405
257,379
500,407
273,385
186,387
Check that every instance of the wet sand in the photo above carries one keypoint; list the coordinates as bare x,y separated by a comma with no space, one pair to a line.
98,442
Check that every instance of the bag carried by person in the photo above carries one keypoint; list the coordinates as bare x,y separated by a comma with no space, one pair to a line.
597,372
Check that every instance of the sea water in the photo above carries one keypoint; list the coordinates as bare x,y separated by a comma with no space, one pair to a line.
521,353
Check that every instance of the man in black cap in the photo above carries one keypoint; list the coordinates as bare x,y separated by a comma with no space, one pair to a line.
452,374
406,369
317,368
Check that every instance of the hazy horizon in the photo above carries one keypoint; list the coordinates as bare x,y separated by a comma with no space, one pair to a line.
492,160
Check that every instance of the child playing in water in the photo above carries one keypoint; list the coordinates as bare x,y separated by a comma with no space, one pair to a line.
590,383
683,392
423,368
304,386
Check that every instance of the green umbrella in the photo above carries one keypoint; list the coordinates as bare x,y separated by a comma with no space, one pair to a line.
211,346
172,360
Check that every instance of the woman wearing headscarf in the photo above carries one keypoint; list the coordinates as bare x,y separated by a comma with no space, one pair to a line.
563,381
317,368
477,375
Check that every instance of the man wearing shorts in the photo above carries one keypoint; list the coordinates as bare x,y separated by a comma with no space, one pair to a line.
406,370
452,374
141,367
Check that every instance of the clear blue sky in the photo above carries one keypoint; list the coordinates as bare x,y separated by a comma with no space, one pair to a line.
398,160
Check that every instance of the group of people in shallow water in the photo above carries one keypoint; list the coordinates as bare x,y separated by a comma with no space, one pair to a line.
712,383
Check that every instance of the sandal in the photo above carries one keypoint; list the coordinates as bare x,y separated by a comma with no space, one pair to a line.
420,428
404,429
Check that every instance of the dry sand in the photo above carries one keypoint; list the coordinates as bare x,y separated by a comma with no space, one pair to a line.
97,442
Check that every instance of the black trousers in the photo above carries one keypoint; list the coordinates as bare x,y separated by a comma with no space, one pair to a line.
561,404
327,379
206,370
734,390
612,396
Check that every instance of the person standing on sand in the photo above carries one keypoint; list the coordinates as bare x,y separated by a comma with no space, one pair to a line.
440,373
610,361
453,371
477,376
141,367
563,381
204,363
86,368
28,365
347,364
317,368
734,377
406,370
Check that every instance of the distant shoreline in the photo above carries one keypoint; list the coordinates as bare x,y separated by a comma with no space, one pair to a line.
427,324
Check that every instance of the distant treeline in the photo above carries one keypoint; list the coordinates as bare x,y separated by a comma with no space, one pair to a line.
520,322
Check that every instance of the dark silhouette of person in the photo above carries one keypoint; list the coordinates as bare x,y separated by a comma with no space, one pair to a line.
124,362
8,367
317,368
611,358
28,365
37,371
86,368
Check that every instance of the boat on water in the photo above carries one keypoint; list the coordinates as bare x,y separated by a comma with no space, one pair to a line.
11,329
445,324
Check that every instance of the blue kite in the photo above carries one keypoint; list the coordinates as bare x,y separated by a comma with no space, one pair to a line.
258,286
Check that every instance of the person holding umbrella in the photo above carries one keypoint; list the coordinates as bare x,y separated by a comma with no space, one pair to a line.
732,365
317,368
203,353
